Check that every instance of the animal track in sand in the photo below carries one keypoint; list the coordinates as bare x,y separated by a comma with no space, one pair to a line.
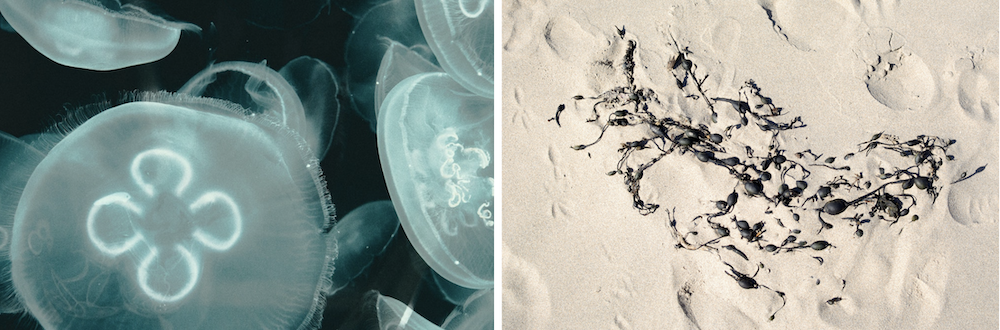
526,302
974,201
896,77
566,38
977,86
812,25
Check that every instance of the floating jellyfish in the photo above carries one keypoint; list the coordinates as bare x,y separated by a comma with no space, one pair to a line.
362,234
174,211
304,91
17,160
395,315
435,143
476,313
453,293
460,32
398,63
386,23
93,34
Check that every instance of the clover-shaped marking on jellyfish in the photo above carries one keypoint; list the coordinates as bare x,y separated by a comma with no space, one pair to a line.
174,230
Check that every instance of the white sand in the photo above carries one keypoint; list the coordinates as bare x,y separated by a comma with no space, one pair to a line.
577,255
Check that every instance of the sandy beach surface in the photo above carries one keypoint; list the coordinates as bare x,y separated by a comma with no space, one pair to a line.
578,254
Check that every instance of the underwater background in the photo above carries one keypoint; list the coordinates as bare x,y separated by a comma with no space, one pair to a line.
36,92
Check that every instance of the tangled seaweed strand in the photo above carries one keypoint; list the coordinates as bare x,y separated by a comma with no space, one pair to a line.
630,106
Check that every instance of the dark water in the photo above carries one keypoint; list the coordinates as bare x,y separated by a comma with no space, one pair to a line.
35,92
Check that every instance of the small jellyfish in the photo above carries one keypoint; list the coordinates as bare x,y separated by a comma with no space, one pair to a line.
316,86
435,142
473,314
398,63
301,96
393,21
362,234
393,314
93,34
175,211
451,292
476,313
460,32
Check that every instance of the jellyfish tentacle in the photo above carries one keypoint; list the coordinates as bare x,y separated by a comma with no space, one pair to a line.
142,178
124,201
142,276
209,239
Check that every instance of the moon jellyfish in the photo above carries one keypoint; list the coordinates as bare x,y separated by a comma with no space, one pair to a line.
398,63
451,292
17,160
395,315
460,32
475,313
303,93
362,235
93,34
435,142
393,21
316,86
176,211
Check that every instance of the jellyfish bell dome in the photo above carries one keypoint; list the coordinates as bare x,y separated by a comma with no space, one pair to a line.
93,34
435,141
460,32
383,25
174,211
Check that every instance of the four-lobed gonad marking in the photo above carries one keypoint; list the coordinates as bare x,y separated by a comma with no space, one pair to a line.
152,189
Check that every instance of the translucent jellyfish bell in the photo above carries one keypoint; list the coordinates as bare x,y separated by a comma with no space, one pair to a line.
93,34
362,234
302,96
435,143
393,21
461,34
476,313
17,161
398,63
395,315
174,211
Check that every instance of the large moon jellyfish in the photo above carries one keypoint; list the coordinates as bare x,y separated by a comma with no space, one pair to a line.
92,34
461,34
436,143
163,229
